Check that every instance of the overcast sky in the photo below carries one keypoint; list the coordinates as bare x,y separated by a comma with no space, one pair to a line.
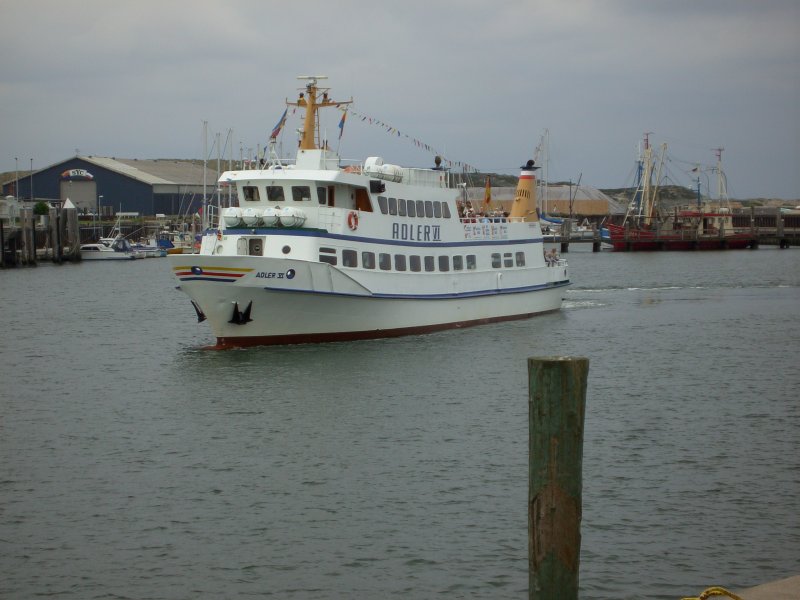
480,81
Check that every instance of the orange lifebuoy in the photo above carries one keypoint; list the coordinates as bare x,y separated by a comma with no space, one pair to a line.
352,220
219,235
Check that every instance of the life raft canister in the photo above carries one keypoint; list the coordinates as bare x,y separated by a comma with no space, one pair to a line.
352,220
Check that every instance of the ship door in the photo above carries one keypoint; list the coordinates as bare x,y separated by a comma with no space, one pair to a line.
255,246
241,246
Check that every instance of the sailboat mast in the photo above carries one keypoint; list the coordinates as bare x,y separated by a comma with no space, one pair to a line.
205,161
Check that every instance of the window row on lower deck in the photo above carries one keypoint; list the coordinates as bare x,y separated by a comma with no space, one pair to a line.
386,261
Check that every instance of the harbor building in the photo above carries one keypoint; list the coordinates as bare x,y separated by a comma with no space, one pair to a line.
108,185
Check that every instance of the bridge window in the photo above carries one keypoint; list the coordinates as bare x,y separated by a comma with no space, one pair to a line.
250,193
382,204
496,262
275,193
471,262
437,210
458,263
430,264
400,262
420,208
392,206
428,208
412,208
507,260
445,210
401,207
322,195
520,259
444,263
301,193
415,262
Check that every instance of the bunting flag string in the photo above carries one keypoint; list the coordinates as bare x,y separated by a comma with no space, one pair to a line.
396,132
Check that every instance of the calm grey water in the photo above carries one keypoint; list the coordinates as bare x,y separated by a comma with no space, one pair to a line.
135,464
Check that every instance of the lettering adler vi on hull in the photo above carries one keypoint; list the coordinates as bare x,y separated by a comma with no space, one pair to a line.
317,251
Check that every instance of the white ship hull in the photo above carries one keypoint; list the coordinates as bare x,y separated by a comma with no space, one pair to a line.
322,304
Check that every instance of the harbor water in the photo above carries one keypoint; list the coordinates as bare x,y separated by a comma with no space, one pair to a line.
135,463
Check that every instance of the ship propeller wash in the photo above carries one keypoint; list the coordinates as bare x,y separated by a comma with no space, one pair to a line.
317,251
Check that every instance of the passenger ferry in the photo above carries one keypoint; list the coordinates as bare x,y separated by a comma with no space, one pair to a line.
319,252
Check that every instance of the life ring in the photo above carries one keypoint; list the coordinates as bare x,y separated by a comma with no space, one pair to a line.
219,235
352,220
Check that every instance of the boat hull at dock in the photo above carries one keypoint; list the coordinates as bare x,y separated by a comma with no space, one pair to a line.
632,239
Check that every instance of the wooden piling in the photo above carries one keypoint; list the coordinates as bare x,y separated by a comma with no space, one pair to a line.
557,399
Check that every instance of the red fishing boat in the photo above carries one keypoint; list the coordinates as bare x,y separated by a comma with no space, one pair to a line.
706,225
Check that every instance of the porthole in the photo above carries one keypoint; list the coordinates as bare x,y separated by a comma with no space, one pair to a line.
286,249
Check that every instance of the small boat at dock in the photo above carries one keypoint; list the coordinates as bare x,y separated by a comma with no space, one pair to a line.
108,249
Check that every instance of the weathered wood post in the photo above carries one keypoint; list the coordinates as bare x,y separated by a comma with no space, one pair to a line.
557,399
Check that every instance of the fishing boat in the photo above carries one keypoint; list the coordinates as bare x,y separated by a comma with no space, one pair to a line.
650,226
317,251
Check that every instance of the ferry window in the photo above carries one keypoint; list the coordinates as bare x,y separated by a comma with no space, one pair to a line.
445,210
414,261
471,262
496,262
385,261
349,258
401,207
382,204
520,259
327,255
250,193
322,195
428,208
392,206
400,262
444,263
420,208
412,208
458,262
507,260
430,264
301,193
275,193
368,260
437,210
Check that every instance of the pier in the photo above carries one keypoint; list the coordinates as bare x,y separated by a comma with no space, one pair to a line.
26,238
775,229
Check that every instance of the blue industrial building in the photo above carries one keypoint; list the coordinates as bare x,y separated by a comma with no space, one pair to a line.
113,185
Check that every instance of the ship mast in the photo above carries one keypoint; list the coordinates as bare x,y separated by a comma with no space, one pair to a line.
722,184
312,100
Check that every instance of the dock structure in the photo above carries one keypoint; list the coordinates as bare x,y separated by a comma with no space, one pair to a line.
773,229
26,238
783,589
776,235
